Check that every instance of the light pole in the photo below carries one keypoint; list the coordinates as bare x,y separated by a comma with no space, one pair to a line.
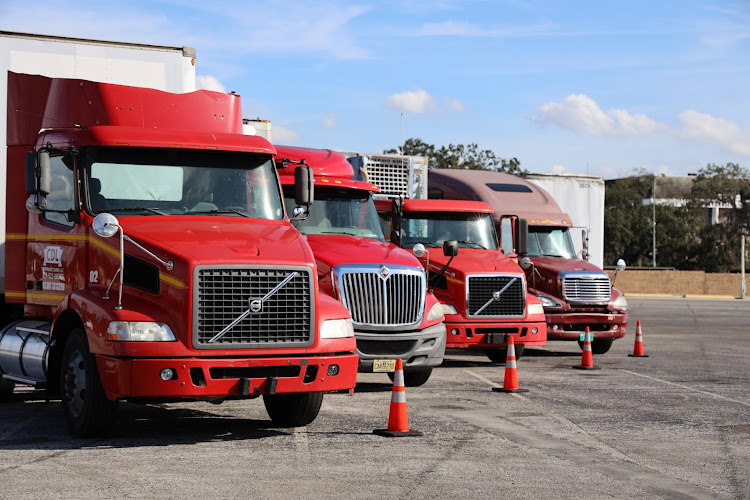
653,224
742,263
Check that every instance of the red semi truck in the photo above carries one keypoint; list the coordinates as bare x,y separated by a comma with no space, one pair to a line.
575,294
149,258
382,285
484,293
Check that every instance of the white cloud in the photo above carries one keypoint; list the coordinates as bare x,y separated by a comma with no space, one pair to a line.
557,169
581,113
283,134
330,120
420,101
706,128
208,82
415,101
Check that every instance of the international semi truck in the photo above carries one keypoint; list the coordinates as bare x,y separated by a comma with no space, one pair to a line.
149,258
383,286
575,294
484,292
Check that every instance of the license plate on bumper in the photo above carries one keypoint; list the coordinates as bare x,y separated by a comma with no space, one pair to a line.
384,365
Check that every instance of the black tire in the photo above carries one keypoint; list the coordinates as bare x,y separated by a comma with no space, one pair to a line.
6,389
414,378
599,346
293,410
86,407
501,355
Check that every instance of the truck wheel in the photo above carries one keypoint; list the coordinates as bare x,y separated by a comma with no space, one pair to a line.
6,389
501,355
414,378
599,346
293,410
87,409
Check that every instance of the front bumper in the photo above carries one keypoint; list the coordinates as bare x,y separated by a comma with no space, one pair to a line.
494,335
417,349
206,378
570,325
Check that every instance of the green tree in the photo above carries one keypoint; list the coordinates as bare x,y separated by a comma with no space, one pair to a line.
728,188
459,156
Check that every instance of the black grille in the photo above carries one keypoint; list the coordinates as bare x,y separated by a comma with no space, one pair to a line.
223,294
374,300
481,303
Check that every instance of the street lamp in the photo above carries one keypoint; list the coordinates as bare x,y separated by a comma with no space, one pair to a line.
742,262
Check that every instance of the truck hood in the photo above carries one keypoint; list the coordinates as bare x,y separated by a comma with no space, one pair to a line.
218,240
333,250
473,261
558,265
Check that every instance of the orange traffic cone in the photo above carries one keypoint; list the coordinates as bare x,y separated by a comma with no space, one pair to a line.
638,347
510,382
398,421
587,358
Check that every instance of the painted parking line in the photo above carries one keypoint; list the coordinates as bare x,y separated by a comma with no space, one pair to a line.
688,388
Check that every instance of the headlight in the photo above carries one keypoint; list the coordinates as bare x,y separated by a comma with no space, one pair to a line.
620,303
139,331
337,329
548,302
449,309
436,312
535,309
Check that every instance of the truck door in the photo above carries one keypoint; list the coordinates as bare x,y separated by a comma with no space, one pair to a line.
56,244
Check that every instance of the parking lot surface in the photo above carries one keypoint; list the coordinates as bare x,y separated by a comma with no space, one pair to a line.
675,424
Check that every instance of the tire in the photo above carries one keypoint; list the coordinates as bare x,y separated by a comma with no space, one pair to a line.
293,410
86,407
501,355
599,346
6,389
414,378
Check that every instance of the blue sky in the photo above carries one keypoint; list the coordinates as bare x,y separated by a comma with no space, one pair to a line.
598,87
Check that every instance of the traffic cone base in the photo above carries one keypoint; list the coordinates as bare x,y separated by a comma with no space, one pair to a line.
638,346
398,422
503,389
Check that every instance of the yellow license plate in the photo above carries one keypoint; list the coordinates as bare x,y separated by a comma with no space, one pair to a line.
384,365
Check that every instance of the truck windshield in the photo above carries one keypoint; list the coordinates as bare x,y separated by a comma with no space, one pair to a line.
550,242
432,229
339,211
150,181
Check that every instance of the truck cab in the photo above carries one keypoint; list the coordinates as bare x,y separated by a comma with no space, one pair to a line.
575,294
383,286
484,293
150,258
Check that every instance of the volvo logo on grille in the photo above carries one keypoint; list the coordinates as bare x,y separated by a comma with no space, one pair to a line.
496,295
384,273
256,305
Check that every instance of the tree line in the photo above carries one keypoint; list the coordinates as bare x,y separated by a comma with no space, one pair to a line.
685,238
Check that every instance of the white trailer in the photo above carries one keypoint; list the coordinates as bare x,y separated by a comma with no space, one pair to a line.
395,175
581,197
171,69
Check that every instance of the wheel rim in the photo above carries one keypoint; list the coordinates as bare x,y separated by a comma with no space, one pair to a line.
74,388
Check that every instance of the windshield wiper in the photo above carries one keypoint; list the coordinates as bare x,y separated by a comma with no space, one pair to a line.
551,255
338,232
139,209
468,242
217,211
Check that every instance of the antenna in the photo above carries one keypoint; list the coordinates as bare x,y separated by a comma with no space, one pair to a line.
48,118
402,132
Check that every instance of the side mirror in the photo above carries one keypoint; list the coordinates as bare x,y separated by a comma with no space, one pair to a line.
105,225
525,263
38,177
303,186
450,248
620,265
418,250
522,236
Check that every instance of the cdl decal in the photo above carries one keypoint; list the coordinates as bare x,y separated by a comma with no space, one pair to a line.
53,255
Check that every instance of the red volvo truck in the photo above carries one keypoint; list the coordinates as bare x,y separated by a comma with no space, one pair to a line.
483,291
382,286
575,294
149,258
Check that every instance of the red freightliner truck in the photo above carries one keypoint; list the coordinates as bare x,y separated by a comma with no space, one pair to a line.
575,294
149,258
382,285
483,291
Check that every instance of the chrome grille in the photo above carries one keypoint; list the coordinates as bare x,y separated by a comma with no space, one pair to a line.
382,296
582,287
483,299
223,294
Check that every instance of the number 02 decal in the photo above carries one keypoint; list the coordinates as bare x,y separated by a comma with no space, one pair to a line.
94,277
